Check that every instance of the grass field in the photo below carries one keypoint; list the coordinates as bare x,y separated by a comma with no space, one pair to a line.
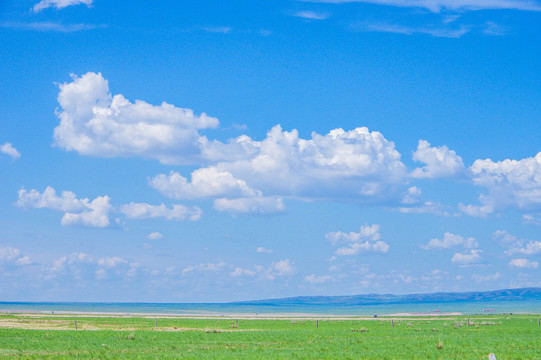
457,337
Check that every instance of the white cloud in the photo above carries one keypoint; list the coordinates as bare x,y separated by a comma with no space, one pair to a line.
146,211
283,267
450,240
438,5
311,15
515,245
510,184
206,182
154,236
366,240
468,258
440,31
94,122
12,257
242,272
96,214
261,249
253,205
313,279
59,4
84,212
356,164
532,219
8,149
428,207
50,26
524,264
484,278
205,268
440,162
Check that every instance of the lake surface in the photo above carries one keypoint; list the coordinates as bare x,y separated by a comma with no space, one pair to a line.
465,307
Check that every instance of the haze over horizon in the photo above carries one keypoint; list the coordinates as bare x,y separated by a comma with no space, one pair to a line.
202,151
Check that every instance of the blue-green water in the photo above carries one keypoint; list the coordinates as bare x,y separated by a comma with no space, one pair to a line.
465,307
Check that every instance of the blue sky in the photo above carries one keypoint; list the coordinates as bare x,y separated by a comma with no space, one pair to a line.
207,151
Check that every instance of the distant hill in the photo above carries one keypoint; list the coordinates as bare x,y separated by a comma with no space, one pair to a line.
376,299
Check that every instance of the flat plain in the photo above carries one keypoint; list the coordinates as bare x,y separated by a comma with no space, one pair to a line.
68,336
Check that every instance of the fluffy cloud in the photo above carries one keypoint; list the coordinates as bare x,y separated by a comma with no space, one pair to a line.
146,211
515,245
84,212
450,240
242,272
206,182
509,183
59,4
8,149
94,122
468,258
253,175
82,268
154,236
438,5
283,267
440,162
367,240
261,249
12,257
524,264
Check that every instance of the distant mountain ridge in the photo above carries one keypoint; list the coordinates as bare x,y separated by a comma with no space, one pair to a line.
382,299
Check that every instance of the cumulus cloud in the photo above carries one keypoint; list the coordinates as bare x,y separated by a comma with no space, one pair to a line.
366,240
509,184
516,245
484,278
154,236
450,240
242,272
84,212
59,4
356,164
261,249
94,122
283,267
532,219
523,263
8,149
440,162
438,5
471,257
12,257
82,268
206,182
146,211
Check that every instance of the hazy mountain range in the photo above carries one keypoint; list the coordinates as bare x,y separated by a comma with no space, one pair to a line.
379,299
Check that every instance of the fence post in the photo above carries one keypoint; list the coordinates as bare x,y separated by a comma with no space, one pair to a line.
75,325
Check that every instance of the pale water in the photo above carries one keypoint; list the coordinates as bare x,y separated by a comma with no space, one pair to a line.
465,307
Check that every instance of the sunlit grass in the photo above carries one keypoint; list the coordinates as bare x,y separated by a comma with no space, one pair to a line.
509,337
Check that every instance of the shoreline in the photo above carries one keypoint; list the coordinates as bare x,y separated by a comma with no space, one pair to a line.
245,316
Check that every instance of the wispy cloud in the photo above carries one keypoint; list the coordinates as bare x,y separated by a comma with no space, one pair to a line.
59,4
218,29
311,15
412,30
439,5
50,26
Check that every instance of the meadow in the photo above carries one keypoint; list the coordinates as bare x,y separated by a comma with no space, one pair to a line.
36,336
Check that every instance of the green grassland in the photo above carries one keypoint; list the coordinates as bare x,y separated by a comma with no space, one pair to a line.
457,337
